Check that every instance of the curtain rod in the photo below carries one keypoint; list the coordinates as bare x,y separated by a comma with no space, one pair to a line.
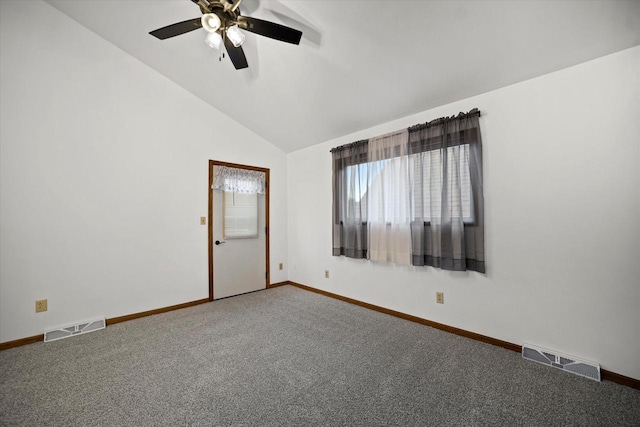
472,113
350,145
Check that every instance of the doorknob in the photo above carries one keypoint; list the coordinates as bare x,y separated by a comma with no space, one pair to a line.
218,242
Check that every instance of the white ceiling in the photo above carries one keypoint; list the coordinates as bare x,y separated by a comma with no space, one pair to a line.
363,63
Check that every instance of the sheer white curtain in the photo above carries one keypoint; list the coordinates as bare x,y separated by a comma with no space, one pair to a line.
388,199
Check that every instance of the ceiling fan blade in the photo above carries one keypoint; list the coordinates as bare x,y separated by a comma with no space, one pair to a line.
236,54
270,29
177,29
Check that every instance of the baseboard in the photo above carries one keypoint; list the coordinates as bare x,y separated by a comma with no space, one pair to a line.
416,319
37,338
605,375
275,285
128,317
620,379
20,342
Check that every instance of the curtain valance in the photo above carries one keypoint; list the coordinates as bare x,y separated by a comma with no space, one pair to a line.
238,180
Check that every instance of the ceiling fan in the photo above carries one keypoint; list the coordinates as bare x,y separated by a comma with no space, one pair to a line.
222,21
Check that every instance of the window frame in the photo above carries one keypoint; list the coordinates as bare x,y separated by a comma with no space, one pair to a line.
463,137
225,195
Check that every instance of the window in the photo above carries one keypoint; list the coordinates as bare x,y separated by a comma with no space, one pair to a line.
413,197
240,218
427,184
241,189
426,180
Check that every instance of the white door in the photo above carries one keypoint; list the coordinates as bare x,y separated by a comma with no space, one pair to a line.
239,255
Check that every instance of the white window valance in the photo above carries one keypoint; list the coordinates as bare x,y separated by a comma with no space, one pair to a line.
238,180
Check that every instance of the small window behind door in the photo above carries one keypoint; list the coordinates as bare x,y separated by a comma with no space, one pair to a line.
240,218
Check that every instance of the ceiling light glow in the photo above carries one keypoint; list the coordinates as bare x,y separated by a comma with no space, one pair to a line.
235,35
213,40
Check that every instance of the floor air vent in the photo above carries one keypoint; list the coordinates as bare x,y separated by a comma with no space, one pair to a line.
78,329
562,361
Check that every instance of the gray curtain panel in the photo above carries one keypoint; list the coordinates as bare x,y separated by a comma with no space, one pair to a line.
350,200
447,228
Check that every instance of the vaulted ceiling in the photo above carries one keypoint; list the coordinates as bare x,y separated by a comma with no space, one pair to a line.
362,63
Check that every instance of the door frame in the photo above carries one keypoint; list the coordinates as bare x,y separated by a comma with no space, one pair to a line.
213,163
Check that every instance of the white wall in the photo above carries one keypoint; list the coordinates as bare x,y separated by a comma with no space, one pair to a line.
103,177
562,202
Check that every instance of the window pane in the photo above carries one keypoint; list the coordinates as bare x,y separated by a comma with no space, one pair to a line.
426,173
357,188
428,170
240,215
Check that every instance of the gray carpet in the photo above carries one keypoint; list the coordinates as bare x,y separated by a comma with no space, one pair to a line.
286,356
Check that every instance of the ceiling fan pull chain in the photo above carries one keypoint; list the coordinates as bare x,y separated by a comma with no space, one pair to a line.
224,39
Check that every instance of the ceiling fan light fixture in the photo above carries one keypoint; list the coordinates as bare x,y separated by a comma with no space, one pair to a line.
210,22
235,35
213,40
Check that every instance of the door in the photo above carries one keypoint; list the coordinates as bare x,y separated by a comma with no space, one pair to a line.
238,239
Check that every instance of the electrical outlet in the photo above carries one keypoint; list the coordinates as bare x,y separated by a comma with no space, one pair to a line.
326,274
440,297
203,220
41,305
280,266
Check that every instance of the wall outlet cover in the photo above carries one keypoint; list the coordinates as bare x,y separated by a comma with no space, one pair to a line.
41,305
